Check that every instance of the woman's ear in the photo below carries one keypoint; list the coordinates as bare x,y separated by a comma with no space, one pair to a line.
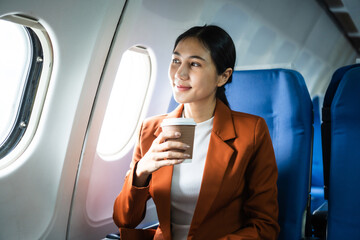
224,77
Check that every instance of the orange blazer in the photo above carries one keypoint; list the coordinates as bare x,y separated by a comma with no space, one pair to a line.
238,194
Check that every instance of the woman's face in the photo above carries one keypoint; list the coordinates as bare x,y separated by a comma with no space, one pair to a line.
193,74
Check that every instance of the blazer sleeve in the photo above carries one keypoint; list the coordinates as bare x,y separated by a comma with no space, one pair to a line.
261,206
130,204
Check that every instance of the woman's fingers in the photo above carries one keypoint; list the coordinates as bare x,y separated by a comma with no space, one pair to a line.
171,155
168,162
153,161
159,156
165,151
164,136
170,145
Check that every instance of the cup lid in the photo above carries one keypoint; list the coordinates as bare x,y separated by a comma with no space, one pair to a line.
178,121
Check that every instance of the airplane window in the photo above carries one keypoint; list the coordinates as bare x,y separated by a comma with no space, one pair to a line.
14,63
25,48
126,102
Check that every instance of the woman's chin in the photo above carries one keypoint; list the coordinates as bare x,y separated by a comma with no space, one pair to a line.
180,100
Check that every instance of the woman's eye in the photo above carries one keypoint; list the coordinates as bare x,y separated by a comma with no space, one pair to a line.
175,61
195,64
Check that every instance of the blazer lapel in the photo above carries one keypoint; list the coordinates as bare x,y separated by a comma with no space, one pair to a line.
161,185
218,156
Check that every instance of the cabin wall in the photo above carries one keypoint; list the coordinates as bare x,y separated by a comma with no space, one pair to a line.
60,187
36,189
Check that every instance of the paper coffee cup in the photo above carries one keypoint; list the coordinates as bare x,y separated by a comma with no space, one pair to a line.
186,126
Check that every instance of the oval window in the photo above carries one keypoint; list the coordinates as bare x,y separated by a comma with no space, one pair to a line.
125,103
25,67
14,64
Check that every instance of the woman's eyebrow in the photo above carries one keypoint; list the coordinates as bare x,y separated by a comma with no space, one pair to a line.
194,56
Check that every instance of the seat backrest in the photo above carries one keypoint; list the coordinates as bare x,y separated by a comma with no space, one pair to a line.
344,175
281,97
326,120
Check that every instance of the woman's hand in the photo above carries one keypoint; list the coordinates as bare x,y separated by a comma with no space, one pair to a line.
163,152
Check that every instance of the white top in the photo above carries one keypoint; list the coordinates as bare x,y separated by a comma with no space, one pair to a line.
186,182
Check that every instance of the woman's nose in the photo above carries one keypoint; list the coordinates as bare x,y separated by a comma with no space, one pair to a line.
182,72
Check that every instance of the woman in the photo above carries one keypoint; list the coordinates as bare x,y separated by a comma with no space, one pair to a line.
229,190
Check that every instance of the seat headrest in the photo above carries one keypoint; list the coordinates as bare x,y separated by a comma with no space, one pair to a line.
334,83
270,93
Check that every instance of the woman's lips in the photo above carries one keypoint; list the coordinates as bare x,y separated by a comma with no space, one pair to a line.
182,88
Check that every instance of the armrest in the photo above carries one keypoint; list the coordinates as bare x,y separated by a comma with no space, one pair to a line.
145,233
319,221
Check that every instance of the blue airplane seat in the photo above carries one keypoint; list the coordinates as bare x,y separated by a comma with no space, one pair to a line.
344,165
326,125
317,177
281,97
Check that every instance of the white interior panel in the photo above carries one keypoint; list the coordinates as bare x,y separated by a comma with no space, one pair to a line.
36,189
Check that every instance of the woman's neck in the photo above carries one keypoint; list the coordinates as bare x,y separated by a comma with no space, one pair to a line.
199,112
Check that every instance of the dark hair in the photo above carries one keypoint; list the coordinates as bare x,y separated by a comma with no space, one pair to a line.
221,47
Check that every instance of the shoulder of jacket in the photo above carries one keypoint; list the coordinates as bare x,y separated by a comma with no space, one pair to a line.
245,116
247,121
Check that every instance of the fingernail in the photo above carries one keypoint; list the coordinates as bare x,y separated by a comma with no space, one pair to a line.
187,155
187,146
177,134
